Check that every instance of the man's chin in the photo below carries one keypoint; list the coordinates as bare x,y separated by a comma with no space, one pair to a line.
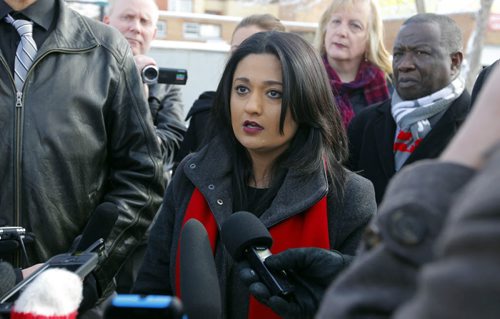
136,49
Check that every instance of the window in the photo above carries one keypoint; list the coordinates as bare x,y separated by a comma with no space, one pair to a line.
201,31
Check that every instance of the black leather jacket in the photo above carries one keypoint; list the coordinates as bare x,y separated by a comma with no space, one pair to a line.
79,135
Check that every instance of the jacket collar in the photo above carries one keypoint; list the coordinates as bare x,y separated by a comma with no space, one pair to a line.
210,170
440,135
72,31
431,146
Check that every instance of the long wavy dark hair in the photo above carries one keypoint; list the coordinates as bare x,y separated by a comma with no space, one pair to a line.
320,140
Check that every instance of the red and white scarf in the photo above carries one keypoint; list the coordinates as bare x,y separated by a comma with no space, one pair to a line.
412,118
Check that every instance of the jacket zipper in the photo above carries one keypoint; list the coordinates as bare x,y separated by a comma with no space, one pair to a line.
19,133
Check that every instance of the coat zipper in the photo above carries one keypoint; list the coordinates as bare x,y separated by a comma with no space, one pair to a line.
19,132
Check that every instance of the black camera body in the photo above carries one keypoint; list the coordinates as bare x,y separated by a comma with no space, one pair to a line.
152,74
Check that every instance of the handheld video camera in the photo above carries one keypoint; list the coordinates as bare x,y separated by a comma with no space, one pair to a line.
152,74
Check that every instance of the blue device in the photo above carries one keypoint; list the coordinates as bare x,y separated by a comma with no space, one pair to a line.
130,306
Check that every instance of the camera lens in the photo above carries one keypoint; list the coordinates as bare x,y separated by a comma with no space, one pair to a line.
150,74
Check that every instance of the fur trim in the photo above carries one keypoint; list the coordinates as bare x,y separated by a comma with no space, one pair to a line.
55,293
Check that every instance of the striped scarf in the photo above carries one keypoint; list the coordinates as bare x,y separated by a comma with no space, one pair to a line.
412,118
369,77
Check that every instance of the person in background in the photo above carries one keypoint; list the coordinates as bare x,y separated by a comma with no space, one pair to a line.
432,250
277,153
350,40
136,20
481,79
426,110
199,114
76,132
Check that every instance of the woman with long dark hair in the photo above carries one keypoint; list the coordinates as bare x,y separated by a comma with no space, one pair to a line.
276,152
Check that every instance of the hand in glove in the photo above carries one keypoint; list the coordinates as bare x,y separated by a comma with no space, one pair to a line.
310,271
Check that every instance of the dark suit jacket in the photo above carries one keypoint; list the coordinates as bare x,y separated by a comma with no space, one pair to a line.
481,78
371,138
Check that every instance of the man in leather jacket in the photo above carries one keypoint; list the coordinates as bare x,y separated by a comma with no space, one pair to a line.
136,20
76,134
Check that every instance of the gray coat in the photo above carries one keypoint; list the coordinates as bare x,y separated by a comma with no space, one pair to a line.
167,110
402,239
210,171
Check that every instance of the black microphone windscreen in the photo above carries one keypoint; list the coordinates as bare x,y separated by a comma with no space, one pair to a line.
7,277
242,230
99,226
200,291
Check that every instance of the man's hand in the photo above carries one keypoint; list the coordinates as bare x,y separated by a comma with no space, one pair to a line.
310,270
30,270
143,60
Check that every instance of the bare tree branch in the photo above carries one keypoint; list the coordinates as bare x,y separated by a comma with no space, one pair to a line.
475,44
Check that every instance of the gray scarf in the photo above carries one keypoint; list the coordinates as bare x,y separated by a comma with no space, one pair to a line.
413,116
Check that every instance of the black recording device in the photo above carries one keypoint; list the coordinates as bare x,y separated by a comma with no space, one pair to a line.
143,306
152,74
81,260
246,238
81,264
11,232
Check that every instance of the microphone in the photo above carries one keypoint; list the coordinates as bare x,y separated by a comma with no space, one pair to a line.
55,293
199,282
84,258
99,226
246,238
7,277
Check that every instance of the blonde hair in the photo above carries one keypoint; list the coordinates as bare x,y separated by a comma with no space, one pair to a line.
265,21
376,52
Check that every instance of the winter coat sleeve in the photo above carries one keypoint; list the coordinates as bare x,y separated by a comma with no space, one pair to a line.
397,243
168,112
463,281
351,214
135,172
155,275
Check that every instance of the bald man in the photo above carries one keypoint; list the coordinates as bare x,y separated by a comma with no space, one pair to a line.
136,20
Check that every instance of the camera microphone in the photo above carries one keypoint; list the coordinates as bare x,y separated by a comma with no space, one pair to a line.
246,238
83,259
152,74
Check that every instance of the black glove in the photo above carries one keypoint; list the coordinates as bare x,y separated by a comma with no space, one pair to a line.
310,270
